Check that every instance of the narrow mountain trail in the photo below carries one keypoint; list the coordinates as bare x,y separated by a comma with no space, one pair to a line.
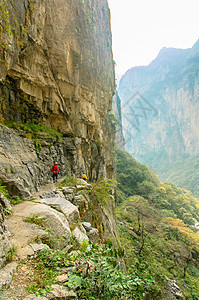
27,232
24,237
21,234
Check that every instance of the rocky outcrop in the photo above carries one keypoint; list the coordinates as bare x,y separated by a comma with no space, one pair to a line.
61,292
7,273
173,291
64,206
4,242
57,69
23,169
49,210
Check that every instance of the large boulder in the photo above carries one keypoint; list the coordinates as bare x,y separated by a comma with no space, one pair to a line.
66,207
6,274
91,232
53,220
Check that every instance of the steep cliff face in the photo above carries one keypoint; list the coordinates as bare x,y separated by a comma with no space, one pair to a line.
57,69
117,111
160,105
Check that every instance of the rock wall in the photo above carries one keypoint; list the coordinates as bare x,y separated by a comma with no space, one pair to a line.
4,243
57,68
23,169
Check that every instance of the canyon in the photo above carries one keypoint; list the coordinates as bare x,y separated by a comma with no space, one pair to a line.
160,105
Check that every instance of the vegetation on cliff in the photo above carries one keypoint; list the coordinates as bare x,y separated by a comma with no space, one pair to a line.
4,30
157,225
182,170
93,271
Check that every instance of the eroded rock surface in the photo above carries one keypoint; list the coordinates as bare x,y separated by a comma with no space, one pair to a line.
58,70
4,242
23,170
173,291
51,218
6,274
65,206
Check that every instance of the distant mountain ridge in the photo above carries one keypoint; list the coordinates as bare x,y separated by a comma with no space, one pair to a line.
170,84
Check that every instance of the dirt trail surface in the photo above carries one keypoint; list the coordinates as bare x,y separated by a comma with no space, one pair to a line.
27,232
21,236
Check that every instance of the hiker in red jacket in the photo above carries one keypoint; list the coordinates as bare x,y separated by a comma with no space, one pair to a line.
55,171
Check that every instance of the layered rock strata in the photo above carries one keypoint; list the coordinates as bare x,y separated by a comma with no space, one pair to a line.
57,68
23,170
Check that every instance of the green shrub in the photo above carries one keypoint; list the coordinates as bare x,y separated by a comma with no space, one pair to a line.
35,131
16,200
10,254
35,219
102,190
3,190
95,273
100,277
69,181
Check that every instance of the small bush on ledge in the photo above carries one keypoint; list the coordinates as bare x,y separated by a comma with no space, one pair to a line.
35,131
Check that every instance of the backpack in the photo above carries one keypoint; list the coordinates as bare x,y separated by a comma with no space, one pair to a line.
54,170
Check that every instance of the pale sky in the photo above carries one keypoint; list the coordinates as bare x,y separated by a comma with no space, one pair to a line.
140,28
